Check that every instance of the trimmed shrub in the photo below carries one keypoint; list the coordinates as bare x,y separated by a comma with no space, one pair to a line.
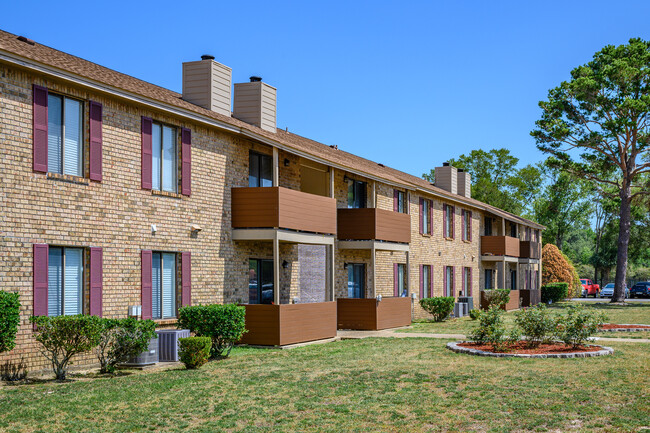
537,324
9,320
559,269
474,314
122,339
224,324
497,297
554,292
440,307
63,337
194,351
490,329
578,325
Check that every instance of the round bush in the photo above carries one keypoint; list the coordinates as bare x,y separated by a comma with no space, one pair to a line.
194,351
439,307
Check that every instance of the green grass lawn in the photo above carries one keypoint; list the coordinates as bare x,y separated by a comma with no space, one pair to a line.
631,313
396,385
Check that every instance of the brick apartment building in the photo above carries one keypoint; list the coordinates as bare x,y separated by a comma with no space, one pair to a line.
119,193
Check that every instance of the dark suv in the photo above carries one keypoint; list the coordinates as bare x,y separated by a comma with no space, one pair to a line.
640,289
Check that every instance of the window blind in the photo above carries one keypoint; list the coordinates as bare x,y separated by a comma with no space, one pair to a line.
54,281
155,156
169,159
73,281
54,129
72,149
169,285
155,286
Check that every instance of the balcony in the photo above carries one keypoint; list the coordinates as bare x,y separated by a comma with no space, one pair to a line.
499,246
374,224
371,315
529,250
277,207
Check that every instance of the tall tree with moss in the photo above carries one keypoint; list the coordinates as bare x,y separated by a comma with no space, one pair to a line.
596,126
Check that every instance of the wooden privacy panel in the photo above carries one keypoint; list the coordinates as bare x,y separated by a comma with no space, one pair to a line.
529,250
283,208
368,314
374,224
530,298
500,246
280,325
512,304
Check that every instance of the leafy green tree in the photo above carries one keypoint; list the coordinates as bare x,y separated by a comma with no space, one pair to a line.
496,180
596,126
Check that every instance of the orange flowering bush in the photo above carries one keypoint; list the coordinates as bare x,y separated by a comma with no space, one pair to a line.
557,268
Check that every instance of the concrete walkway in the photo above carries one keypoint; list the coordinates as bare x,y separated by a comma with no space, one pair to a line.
390,333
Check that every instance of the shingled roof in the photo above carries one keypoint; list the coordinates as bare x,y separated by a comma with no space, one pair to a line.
39,54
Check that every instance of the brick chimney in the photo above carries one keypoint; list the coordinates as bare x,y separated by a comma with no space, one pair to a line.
255,103
208,84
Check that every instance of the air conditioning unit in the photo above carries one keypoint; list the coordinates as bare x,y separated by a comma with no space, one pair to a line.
168,343
459,309
148,357
467,300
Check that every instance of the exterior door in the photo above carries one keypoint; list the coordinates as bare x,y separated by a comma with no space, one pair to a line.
356,280
513,280
260,281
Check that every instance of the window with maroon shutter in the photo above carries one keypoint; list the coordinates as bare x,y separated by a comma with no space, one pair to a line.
40,128
395,280
96,281
40,269
422,217
146,153
95,142
146,283
186,161
186,279
421,276
395,200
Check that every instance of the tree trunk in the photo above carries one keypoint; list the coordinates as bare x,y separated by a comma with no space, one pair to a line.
623,243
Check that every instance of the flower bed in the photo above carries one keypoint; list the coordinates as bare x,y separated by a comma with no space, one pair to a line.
521,349
613,327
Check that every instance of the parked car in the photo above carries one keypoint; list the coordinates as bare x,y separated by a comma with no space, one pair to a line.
589,288
640,289
608,291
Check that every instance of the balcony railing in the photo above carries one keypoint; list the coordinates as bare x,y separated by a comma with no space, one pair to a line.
499,246
277,207
529,250
374,224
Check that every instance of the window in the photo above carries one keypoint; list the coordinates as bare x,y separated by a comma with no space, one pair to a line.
260,281
400,280
163,285
163,158
399,204
425,216
356,280
513,280
448,221
489,279
488,226
65,281
260,170
425,283
467,225
467,281
449,281
513,230
64,135
356,194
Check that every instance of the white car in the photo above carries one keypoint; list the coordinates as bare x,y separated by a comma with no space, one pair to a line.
608,291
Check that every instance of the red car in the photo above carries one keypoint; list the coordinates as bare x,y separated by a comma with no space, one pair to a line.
589,288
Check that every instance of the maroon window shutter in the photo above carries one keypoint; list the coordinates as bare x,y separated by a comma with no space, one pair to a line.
395,200
421,281
453,280
147,125
40,129
469,226
430,204
41,261
444,281
462,224
453,222
462,288
186,279
186,157
395,280
431,268
96,281
444,220
421,215
95,147
146,284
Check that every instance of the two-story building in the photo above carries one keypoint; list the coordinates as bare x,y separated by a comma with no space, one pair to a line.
117,193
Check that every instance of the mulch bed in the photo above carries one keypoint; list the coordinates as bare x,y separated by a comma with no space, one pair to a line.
543,349
608,326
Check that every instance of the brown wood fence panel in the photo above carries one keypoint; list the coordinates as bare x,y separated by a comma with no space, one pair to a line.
300,323
374,224
500,246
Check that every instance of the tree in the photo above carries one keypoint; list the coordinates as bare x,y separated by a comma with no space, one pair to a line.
596,127
564,205
496,180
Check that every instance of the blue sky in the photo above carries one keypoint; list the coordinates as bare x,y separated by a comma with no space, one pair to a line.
407,84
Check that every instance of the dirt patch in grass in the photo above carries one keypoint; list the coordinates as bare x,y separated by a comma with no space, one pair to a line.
523,348
615,326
